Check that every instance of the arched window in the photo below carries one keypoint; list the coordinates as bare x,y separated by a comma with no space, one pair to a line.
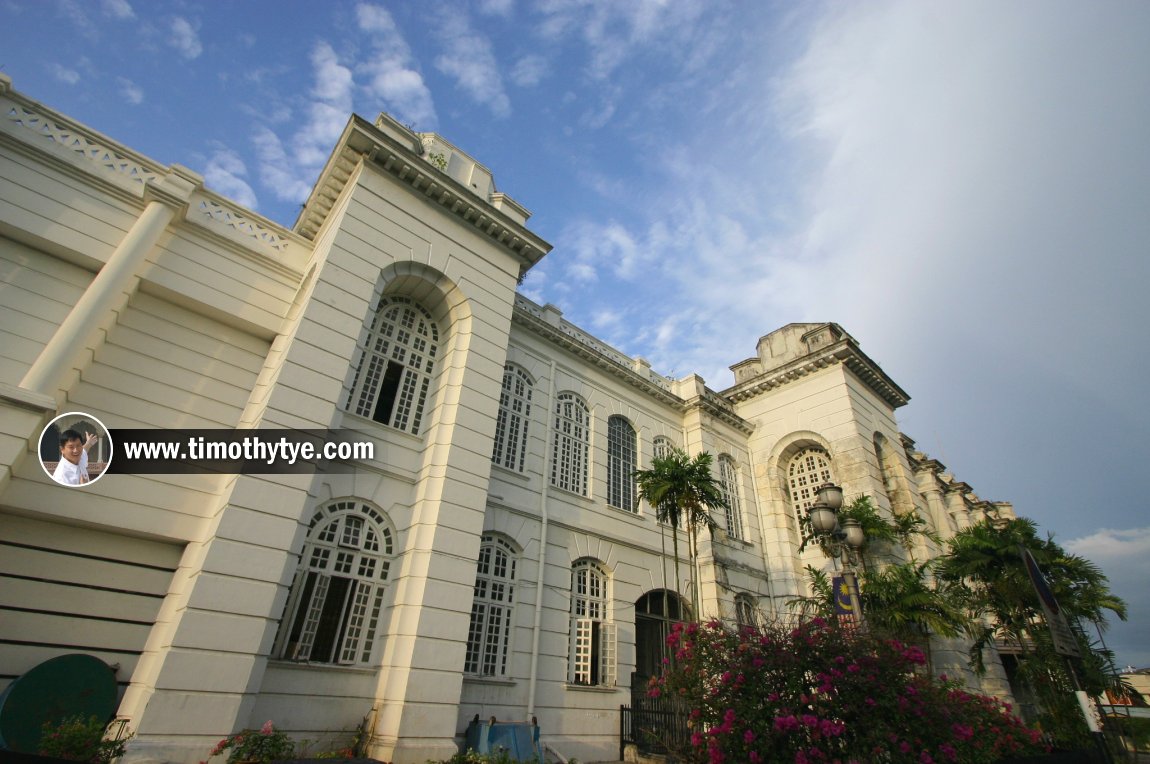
661,447
514,416
394,373
656,612
592,634
621,464
746,614
337,596
488,638
807,471
571,444
729,484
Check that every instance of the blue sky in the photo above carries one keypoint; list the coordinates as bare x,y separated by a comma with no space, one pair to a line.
963,186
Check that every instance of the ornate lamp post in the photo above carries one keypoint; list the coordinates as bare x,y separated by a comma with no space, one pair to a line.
841,540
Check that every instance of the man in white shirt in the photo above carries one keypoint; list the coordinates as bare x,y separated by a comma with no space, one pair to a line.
73,466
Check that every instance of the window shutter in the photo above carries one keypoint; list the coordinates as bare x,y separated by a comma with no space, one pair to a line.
314,611
581,637
356,622
608,654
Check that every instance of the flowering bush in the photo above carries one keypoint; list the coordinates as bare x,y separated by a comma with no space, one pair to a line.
79,739
265,744
819,693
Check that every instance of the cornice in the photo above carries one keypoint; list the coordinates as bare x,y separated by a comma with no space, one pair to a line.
363,142
709,401
720,408
845,352
556,336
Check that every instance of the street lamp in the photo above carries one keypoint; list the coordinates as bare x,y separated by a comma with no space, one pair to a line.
840,540
828,501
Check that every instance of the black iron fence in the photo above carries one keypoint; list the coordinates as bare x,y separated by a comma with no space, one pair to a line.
654,725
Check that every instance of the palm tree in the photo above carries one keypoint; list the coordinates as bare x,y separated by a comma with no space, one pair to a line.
683,491
987,559
907,602
902,598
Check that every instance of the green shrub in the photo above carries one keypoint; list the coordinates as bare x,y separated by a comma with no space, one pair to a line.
78,739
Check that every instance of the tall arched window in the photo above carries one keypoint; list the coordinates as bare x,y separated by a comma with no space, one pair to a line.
395,368
808,470
593,659
336,599
729,484
572,442
514,415
661,447
488,639
621,464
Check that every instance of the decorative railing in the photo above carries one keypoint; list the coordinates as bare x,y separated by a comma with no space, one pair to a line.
211,212
84,144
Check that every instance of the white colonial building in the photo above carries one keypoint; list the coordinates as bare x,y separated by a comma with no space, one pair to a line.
493,557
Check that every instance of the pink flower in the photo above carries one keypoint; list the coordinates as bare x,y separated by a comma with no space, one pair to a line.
267,729
786,723
749,737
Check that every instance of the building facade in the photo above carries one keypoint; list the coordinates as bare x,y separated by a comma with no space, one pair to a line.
493,558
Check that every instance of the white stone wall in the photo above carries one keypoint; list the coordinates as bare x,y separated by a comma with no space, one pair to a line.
227,320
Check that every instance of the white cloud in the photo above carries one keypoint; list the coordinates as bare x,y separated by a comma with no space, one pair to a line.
185,38
999,171
614,31
225,173
469,59
1125,547
529,70
277,172
65,75
496,7
118,9
606,320
130,91
289,177
76,13
390,71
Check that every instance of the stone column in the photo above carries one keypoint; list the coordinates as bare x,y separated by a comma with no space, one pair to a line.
957,506
115,282
931,489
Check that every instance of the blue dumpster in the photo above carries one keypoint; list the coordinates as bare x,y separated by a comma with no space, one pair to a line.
519,739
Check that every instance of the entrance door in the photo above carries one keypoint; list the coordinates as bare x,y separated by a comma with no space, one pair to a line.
655,611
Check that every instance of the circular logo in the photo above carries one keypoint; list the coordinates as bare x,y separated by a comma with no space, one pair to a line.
75,449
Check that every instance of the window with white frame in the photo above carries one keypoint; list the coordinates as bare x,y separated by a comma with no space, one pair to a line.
488,638
514,415
621,464
333,611
571,445
729,485
808,470
593,636
396,363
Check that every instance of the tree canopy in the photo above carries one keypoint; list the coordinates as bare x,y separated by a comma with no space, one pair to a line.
683,492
